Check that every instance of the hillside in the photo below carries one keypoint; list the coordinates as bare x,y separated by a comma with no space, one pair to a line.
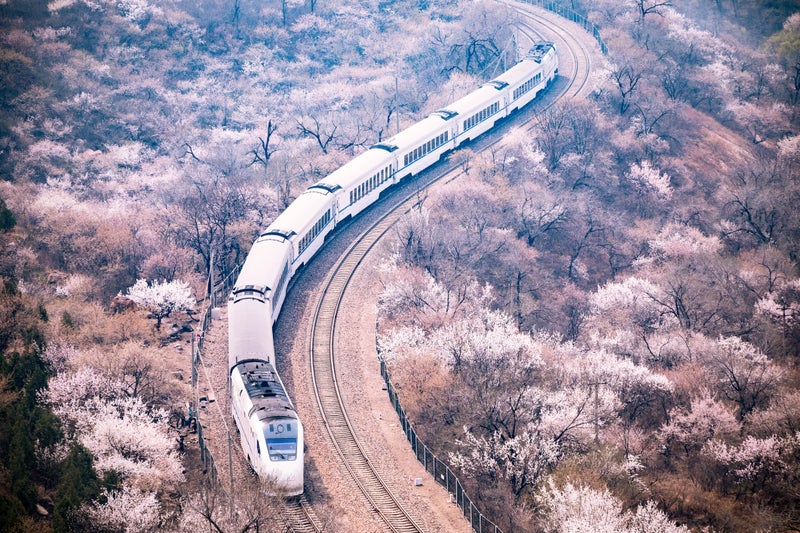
602,313
632,261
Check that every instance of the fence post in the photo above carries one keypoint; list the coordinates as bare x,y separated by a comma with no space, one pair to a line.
462,500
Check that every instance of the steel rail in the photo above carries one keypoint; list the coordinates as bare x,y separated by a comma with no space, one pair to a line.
323,356
299,517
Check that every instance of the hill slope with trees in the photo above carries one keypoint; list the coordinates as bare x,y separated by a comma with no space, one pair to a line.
602,313
609,335
144,145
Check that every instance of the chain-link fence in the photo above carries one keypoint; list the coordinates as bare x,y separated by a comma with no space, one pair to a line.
218,295
437,468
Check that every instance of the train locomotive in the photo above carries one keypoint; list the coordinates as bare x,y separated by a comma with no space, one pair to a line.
270,431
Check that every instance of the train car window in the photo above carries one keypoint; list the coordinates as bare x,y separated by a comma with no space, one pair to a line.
282,449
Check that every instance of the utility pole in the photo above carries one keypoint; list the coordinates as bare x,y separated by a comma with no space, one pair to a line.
397,103
211,296
230,471
596,385
596,409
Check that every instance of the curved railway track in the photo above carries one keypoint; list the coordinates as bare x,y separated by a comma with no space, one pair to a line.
298,513
578,62
326,387
323,357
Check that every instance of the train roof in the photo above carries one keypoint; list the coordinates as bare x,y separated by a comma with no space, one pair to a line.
527,66
357,168
474,101
265,389
296,219
412,136
539,50
264,264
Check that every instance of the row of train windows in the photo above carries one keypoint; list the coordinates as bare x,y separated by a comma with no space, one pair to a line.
527,86
284,276
321,223
425,149
481,116
369,185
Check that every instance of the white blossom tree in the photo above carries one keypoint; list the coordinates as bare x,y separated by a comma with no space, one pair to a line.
756,462
689,429
522,460
161,299
126,437
123,434
647,179
577,508
745,375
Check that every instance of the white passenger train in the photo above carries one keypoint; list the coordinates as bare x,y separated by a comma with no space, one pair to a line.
270,431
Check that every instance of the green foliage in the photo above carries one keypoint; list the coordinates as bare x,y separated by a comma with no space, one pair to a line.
78,483
7,220
23,423
31,11
16,75
786,44
26,425
66,320
19,322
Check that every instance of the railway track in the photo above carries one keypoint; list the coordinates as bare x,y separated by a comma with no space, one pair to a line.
323,357
299,517
298,512
329,399
578,61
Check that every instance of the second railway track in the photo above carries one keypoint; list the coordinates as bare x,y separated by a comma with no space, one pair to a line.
323,356
332,408
326,387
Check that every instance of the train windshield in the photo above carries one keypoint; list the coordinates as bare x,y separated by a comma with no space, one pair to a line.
282,449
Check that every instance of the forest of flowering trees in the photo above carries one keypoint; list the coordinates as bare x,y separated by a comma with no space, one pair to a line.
601,313
597,325
144,144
